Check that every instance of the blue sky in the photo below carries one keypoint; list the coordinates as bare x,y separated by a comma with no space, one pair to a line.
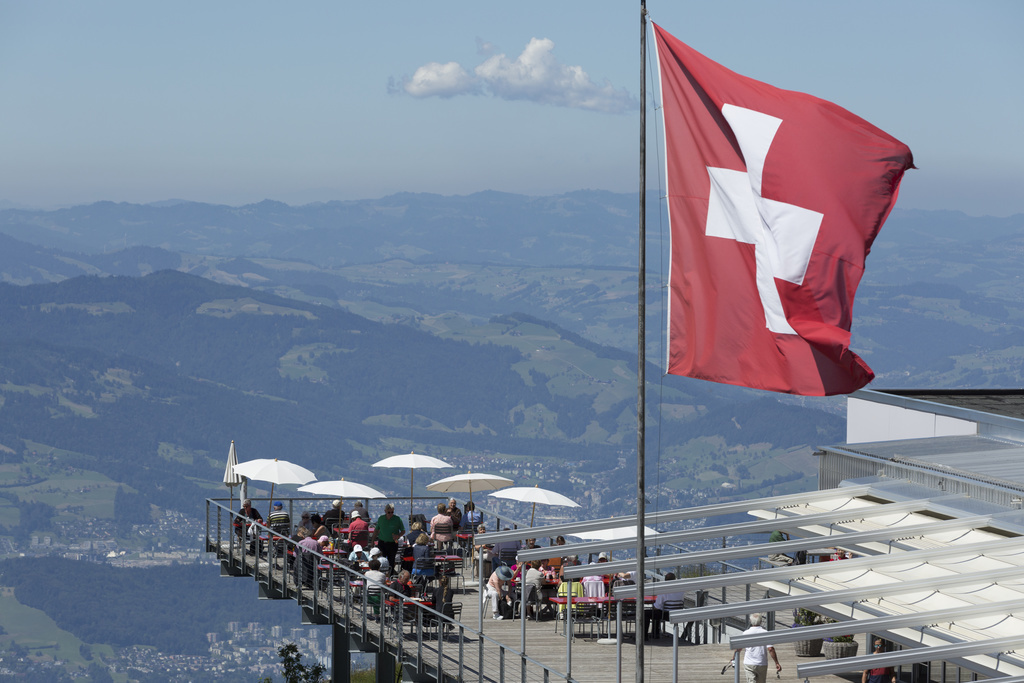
233,102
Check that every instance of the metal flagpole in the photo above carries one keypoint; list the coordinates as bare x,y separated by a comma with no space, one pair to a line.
641,398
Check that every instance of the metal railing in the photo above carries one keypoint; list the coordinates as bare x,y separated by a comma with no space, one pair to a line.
331,593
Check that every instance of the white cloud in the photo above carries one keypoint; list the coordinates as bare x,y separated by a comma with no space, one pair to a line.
441,80
535,75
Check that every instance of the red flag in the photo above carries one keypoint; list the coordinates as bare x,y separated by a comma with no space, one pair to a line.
774,200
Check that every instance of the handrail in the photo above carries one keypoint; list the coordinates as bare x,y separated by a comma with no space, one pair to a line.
269,565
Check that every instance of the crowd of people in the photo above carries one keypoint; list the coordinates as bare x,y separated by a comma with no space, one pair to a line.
389,554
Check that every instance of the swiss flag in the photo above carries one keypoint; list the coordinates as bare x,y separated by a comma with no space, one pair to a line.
774,200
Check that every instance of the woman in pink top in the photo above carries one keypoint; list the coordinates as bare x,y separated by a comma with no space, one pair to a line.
444,534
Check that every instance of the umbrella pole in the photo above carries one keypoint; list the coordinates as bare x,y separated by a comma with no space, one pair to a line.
412,472
532,514
271,495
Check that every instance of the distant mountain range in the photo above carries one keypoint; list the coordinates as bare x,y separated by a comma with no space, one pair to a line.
938,305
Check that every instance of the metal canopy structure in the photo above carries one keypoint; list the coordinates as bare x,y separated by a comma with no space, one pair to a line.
941,575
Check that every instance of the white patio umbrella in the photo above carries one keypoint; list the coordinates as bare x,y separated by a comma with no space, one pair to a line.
525,494
460,483
618,533
232,478
342,489
412,461
275,471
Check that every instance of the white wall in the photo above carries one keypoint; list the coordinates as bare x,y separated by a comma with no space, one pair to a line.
870,421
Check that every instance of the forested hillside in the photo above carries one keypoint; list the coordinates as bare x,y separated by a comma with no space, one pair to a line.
169,608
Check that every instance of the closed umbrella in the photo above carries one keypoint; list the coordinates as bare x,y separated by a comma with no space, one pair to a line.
461,483
232,478
525,494
275,471
412,461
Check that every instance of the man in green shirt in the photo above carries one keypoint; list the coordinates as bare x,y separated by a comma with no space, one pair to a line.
779,558
387,532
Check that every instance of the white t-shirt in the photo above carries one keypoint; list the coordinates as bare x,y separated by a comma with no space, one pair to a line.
755,656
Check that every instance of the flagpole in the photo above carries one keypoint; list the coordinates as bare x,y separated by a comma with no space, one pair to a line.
641,399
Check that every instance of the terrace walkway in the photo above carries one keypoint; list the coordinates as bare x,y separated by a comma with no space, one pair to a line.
408,637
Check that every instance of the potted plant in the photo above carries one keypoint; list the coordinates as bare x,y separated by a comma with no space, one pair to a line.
805,617
838,647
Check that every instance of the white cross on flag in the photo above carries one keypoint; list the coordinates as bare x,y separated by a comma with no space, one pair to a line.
774,200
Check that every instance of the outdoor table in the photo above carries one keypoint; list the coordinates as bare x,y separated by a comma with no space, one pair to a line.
408,604
605,602
445,565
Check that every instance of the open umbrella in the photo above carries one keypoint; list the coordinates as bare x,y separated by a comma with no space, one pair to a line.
412,461
342,489
525,494
461,483
275,471
231,478
616,534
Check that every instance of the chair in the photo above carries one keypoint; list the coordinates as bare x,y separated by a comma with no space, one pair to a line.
671,605
507,556
593,589
373,596
360,538
443,528
452,569
532,599
306,568
629,616
455,615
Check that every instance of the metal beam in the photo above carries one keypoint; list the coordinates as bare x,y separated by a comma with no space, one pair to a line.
893,533
911,656
825,597
784,523
680,514
1010,546
874,625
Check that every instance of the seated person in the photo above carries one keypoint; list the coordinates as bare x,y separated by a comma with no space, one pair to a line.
473,518
248,512
442,531
403,583
534,579
359,511
374,572
442,599
358,555
780,558
325,543
659,613
332,517
376,554
307,560
358,531
422,557
415,530
280,522
455,514
318,526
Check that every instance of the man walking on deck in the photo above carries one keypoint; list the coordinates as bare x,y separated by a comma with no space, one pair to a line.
755,659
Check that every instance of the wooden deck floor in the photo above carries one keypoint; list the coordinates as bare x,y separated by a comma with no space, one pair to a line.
464,657
594,660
